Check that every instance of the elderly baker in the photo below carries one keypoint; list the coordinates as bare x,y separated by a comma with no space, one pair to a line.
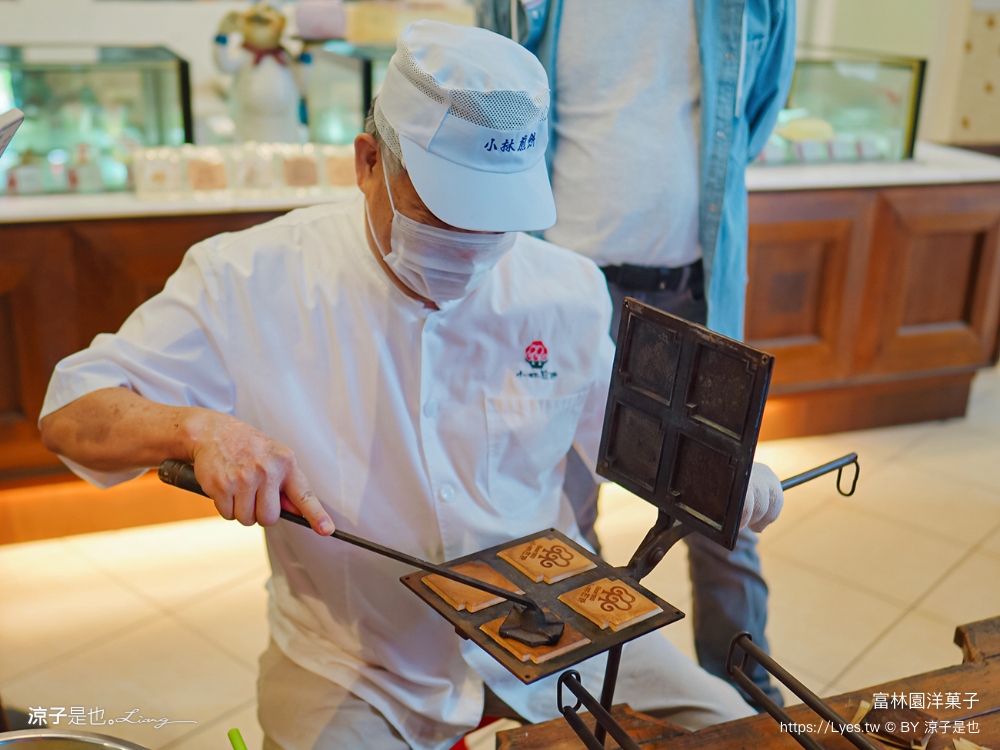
366,359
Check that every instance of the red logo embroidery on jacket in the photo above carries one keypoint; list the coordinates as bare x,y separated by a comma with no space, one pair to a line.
536,355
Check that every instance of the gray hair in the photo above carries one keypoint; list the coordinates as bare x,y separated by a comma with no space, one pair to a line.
377,127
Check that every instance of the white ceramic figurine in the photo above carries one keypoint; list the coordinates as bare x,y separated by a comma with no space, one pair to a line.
269,82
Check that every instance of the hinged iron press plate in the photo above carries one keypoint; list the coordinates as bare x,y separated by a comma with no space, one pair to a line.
683,414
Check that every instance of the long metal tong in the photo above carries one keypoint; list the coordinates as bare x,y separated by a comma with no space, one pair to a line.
181,474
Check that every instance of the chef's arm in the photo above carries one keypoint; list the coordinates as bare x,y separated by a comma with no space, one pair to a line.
242,470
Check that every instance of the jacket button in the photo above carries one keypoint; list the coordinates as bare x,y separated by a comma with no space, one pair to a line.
447,493
431,409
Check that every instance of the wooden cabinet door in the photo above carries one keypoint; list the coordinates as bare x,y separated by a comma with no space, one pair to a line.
807,261
123,262
933,289
37,329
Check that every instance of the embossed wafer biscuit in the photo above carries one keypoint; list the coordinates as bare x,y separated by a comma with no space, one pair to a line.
546,559
610,603
570,639
465,597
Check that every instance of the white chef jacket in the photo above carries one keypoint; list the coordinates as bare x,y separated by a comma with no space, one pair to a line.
424,430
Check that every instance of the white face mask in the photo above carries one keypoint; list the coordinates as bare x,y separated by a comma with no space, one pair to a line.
439,264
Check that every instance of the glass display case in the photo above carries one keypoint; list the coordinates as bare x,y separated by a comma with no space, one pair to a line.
344,79
86,109
847,106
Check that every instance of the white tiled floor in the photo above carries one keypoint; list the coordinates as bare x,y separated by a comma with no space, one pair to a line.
167,619
170,619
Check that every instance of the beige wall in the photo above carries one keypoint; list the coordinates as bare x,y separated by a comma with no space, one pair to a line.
977,107
902,27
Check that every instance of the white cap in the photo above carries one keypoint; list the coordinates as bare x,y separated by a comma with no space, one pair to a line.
469,110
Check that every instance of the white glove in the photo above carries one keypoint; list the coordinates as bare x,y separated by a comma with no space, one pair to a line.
764,498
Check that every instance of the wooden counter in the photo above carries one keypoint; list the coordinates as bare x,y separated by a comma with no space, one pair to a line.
879,304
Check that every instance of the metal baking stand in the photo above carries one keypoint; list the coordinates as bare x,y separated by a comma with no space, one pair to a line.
736,667
664,534
681,425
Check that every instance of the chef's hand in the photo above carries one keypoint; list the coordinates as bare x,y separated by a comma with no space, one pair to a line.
249,476
764,498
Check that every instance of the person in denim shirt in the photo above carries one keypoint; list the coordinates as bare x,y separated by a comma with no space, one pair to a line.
657,108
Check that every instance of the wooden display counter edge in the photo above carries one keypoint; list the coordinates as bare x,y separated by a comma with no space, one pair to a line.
979,673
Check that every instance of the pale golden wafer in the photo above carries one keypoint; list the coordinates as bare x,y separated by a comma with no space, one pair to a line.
465,597
610,603
546,559
570,639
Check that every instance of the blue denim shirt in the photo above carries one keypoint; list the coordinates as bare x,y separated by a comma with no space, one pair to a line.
747,51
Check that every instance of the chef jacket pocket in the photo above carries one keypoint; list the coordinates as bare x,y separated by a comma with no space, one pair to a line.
528,438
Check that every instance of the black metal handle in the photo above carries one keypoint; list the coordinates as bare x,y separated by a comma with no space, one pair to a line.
181,474
667,532
744,642
603,717
839,465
